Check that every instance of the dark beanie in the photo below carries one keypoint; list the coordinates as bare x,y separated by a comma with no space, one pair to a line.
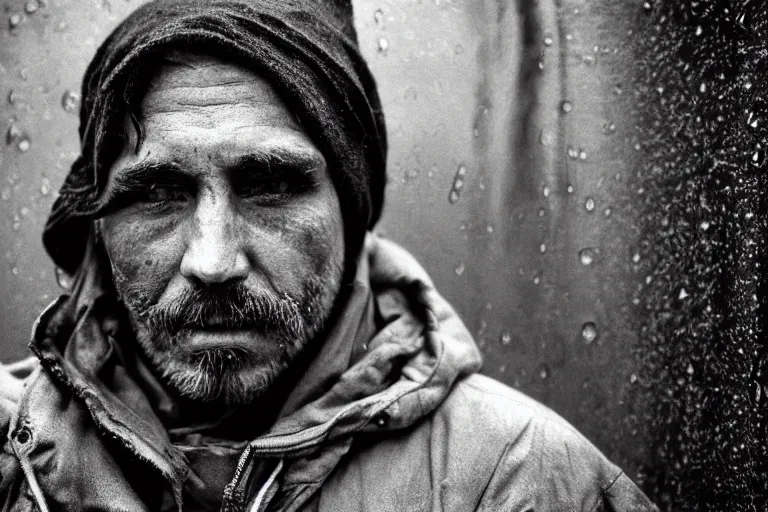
307,49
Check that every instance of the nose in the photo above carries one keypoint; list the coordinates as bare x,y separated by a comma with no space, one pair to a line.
215,250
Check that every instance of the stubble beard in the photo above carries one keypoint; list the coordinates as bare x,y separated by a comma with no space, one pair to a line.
230,375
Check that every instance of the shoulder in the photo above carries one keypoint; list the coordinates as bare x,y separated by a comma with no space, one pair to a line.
534,450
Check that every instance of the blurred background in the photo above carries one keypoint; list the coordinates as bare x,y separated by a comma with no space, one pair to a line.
546,166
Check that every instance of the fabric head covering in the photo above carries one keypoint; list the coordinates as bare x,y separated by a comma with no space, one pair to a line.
307,49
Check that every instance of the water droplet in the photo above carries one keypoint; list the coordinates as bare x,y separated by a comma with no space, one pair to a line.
589,204
545,191
573,152
689,370
547,138
45,187
633,378
15,271
70,101
383,45
608,127
566,106
63,279
505,338
589,332
699,30
548,41
683,294
458,184
618,90
378,17
24,144
582,154
13,134
543,248
636,257
536,279
544,371
14,20
460,269
31,6
608,211
587,256
24,211
542,212
569,189
703,87
489,228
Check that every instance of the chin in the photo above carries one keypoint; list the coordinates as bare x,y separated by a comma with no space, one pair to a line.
221,375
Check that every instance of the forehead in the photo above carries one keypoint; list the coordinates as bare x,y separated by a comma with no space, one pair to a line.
188,82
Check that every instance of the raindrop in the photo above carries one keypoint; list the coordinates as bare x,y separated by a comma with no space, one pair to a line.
13,134
544,371
458,184
15,271
63,279
758,157
542,212
618,90
543,248
45,187
689,370
569,189
460,269
699,30
587,256
24,144
548,41
24,211
573,152
13,97
547,138
378,17
566,106
589,204
683,294
633,378
608,127
31,6
608,211
703,87
505,338
536,280
70,101
489,228
545,191
589,332
704,225
383,45
14,20
582,154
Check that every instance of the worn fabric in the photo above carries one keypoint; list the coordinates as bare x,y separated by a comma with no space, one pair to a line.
388,416
308,51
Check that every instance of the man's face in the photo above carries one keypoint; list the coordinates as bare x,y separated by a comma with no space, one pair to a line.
225,235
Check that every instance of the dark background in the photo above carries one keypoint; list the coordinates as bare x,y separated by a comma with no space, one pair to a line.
561,173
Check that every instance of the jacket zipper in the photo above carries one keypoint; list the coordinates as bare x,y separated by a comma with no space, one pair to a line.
256,507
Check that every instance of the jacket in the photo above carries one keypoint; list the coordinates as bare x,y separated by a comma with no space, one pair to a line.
390,415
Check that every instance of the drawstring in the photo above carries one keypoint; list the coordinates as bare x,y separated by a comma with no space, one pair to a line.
21,438
263,491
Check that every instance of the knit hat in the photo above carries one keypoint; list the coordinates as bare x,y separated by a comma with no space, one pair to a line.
307,49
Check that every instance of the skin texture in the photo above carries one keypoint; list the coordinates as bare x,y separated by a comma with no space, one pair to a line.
224,231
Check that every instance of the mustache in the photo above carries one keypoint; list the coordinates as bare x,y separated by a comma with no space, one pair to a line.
230,306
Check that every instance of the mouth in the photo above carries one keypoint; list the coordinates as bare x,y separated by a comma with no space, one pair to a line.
210,337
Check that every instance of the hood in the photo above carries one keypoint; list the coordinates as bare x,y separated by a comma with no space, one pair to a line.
369,378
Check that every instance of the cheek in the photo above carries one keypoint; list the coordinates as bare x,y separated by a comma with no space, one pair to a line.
144,257
307,240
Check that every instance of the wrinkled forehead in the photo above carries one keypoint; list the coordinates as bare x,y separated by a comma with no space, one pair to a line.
189,82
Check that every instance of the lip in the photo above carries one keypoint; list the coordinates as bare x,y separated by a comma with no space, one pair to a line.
222,337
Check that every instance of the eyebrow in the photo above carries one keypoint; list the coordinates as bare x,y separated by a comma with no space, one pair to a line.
273,161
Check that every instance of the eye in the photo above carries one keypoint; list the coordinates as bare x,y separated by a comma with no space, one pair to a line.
272,190
163,196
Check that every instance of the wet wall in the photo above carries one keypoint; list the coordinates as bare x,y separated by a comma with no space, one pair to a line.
532,171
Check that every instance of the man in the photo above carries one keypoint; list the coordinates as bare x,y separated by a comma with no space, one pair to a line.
235,338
